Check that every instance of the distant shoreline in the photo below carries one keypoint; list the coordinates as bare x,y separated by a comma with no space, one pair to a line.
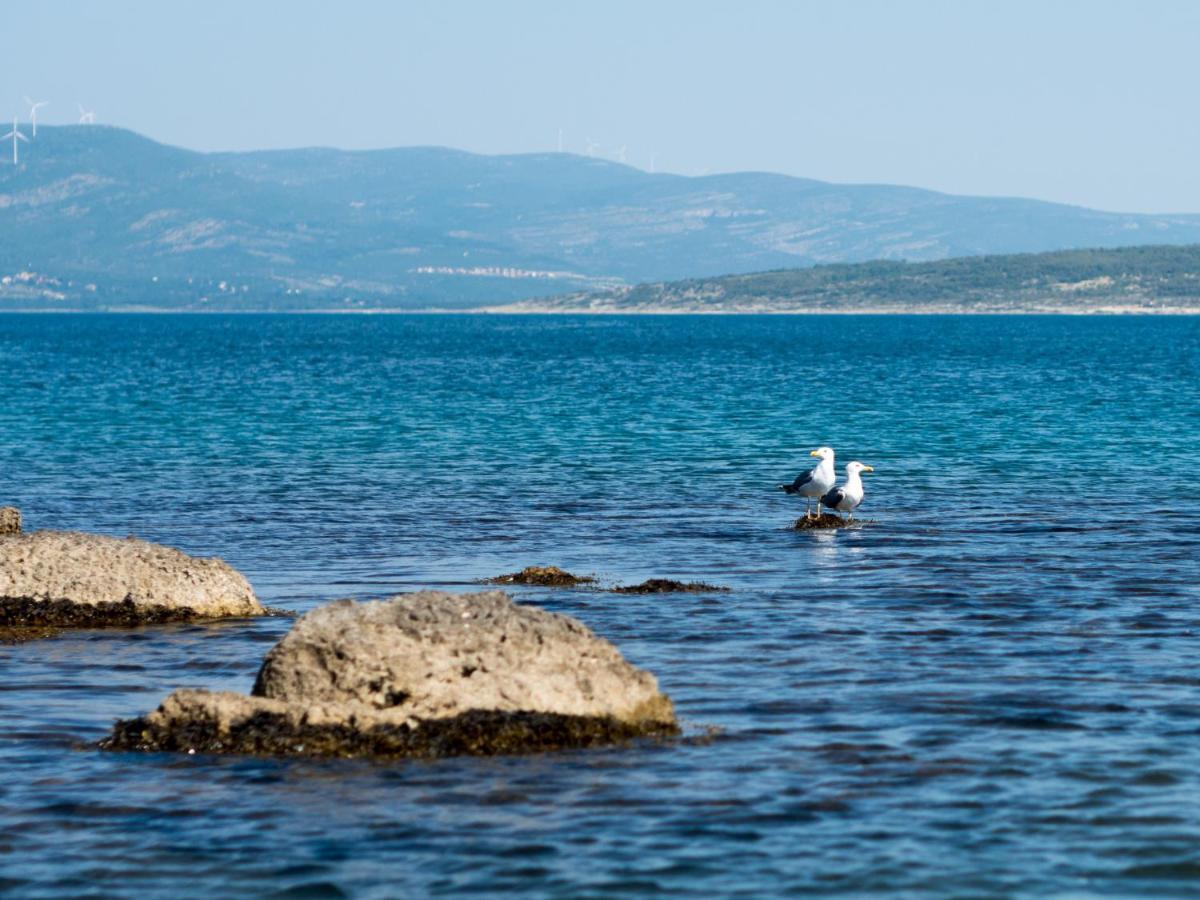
525,310
856,311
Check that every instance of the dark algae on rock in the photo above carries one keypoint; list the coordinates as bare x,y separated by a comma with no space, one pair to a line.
825,521
667,586
553,576
474,733
545,576
425,674
23,618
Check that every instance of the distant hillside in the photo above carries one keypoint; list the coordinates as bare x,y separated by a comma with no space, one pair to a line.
100,217
1129,279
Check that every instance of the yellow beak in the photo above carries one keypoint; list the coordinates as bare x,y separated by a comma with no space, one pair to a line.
814,453
868,468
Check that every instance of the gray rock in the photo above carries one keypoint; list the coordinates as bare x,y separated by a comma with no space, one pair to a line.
50,578
10,520
424,674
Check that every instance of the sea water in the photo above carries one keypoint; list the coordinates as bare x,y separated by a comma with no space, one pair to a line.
991,688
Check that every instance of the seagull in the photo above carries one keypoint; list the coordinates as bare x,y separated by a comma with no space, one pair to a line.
815,482
847,497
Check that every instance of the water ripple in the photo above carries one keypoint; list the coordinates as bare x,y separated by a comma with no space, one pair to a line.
988,690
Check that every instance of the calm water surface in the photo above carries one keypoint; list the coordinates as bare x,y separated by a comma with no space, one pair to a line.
992,690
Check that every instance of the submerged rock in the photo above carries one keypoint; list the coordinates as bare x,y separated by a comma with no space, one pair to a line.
553,576
825,520
68,579
426,674
667,586
546,576
10,520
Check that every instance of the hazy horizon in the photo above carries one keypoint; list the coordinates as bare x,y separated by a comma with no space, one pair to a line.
1080,103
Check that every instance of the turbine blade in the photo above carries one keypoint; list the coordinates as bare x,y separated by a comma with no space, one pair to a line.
22,137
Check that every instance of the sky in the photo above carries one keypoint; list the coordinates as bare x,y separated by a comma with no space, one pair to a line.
1091,103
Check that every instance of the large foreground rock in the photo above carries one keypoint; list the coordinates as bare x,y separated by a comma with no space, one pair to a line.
426,674
10,520
65,578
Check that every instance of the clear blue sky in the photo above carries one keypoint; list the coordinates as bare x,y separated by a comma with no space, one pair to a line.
1085,102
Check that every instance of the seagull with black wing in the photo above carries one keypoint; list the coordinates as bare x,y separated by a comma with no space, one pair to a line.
848,497
814,483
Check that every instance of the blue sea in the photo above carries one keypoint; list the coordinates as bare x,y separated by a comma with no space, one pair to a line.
991,688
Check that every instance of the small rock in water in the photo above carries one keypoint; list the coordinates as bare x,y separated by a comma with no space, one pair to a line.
428,674
667,586
10,520
825,520
546,576
60,579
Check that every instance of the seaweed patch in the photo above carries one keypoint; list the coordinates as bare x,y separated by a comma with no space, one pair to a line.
24,618
474,733
544,576
667,586
825,521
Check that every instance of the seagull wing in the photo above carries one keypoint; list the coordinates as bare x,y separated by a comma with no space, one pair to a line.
834,497
802,479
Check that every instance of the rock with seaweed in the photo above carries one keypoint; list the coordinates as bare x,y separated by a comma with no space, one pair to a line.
427,674
824,521
668,586
10,520
545,576
66,579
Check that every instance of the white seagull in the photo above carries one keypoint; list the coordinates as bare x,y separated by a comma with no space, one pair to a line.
815,482
847,497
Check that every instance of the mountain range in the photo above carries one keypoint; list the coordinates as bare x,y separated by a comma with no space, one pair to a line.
101,217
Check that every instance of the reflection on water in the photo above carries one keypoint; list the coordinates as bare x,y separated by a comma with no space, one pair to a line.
989,690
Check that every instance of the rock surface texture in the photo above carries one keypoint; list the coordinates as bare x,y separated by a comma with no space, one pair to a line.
10,520
425,674
65,578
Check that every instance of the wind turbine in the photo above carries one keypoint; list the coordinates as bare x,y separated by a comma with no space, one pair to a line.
34,106
620,153
85,117
16,135
592,147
